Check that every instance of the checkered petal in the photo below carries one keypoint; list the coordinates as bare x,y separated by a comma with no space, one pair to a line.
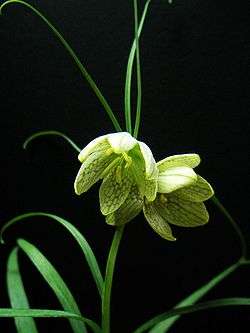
181,212
128,210
197,192
114,189
156,221
91,171
188,160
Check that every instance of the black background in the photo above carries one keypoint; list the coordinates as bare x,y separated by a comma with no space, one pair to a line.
195,70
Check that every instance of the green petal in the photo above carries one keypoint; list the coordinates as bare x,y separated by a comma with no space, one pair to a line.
150,189
95,145
156,221
91,171
128,210
200,191
180,212
114,189
188,160
174,178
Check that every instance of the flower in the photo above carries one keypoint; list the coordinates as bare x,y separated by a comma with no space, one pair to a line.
179,200
122,162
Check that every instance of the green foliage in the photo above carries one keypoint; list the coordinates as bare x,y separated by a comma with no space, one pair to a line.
17,295
38,313
74,57
121,201
50,133
55,281
80,239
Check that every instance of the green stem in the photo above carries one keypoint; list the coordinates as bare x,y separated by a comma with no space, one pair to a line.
73,55
224,211
106,296
138,72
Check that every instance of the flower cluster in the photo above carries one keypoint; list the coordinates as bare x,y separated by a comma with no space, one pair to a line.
168,192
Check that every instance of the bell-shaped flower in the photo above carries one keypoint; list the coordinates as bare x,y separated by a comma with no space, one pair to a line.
123,163
179,200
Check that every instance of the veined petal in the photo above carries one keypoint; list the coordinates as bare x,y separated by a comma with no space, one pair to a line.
91,171
188,160
121,142
128,210
150,189
156,221
197,192
180,212
114,190
97,144
174,178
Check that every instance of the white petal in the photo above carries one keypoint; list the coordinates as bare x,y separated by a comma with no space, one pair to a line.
189,160
94,145
150,164
121,142
175,178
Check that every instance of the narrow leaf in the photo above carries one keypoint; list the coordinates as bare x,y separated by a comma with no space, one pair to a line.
73,55
127,95
191,299
162,326
41,313
45,133
55,281
17,295
89,255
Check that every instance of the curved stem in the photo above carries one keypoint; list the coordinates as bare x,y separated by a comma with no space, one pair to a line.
106,296
238,231
138,73
73,55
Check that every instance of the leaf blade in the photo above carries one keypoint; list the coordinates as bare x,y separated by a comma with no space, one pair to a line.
48,133
46,313
17,295
55,281
74,57
236,301
82,242
190,300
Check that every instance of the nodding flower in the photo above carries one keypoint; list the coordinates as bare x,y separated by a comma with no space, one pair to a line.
121,162
179,199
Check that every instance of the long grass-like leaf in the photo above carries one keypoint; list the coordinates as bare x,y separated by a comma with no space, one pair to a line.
41,313
55,281
51,132
236,301
233,223
17,295
138,73
73,55
89,255
127,93
191,299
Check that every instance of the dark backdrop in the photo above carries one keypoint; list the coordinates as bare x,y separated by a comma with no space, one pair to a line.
195,70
